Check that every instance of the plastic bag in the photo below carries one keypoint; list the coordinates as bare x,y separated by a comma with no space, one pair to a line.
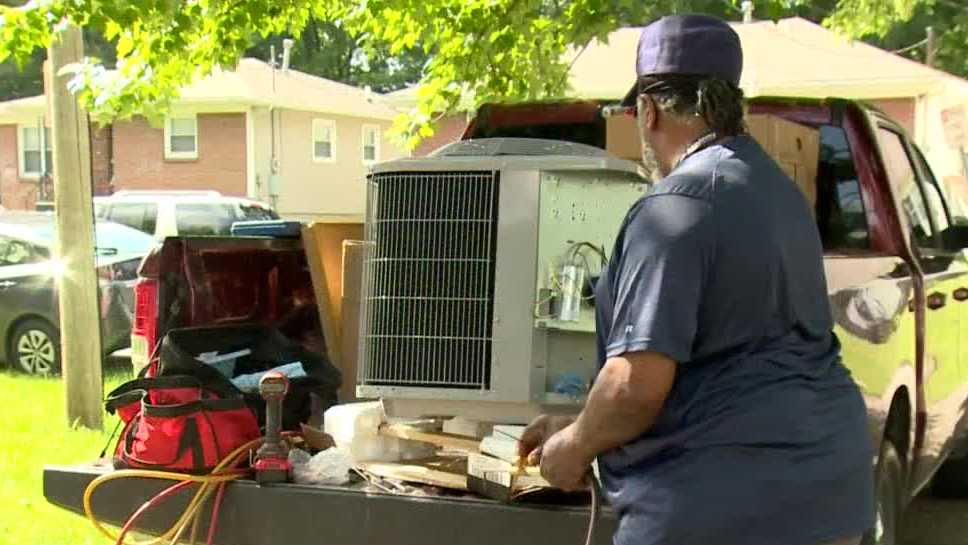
328,467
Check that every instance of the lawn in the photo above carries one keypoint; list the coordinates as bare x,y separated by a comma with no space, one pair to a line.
35,432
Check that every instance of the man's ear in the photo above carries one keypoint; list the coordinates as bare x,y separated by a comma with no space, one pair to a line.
647,113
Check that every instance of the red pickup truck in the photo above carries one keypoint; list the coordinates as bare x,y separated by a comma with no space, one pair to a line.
897,270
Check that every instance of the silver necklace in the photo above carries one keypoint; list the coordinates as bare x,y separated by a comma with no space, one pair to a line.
697,145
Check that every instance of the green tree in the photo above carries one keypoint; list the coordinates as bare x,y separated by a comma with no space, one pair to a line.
488,49
898,24
327,49
28,79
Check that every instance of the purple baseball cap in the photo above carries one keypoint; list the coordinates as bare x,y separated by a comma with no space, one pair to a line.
690,45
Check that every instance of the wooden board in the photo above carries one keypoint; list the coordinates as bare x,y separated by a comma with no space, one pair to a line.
443,440
74,238
445,473
350,310
501,446
512,432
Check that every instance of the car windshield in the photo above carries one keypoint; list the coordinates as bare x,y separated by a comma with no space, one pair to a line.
111,238
204,219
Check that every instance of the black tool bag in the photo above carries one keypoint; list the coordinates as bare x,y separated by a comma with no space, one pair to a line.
181,348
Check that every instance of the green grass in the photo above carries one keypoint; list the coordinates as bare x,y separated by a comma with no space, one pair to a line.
33,432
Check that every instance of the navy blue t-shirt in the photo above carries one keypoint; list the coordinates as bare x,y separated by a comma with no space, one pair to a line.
763,439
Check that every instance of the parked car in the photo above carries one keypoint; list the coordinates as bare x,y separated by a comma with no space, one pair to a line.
187,213
897,270
28,297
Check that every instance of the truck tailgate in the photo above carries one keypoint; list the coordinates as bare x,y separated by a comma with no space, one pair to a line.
307,515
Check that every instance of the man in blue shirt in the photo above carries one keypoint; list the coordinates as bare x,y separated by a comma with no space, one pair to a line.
722,413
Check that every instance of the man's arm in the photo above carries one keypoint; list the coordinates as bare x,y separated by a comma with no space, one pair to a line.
625,400
624,403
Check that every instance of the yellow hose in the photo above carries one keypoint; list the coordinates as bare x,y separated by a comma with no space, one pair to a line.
209,483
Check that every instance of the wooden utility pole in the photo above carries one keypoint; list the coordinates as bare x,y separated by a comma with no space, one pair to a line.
80,332
931,57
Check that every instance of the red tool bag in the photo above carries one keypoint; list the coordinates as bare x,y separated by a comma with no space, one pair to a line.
176,423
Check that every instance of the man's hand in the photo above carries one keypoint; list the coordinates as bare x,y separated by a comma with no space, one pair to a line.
565,462
538,433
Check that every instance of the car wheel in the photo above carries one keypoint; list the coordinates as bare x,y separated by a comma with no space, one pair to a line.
35,348
888,490
951,479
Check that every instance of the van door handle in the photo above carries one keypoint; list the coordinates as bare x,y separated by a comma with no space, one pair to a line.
960,294
936,300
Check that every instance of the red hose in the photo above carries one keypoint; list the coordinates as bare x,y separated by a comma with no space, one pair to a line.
216,507
148,505
164,494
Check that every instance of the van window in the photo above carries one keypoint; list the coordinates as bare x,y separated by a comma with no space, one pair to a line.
907,190
194,219
841,216
937,202
142,216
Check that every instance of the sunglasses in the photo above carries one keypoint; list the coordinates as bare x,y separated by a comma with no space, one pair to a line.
619,110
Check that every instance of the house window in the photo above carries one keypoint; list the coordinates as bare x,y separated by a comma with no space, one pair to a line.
371,143
36,155
181,138
324,140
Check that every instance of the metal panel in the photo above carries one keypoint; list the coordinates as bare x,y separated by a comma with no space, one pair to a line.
508,162
429,279
290,514
579,207
514,370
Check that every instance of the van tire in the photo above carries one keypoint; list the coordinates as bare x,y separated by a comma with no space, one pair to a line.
888,497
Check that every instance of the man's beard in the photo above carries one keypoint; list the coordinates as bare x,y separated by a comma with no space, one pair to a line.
651,162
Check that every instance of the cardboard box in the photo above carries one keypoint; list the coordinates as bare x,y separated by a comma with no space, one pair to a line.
793,146
500,480
323,243
622,138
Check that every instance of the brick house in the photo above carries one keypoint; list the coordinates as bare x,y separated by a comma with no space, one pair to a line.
298,141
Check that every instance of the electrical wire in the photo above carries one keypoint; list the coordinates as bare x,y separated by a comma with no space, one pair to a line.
573,254
596,507
537,306
223,473
194,535
910,47
129,524
573,250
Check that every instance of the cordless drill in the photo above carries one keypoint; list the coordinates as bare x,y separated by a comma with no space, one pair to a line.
272,459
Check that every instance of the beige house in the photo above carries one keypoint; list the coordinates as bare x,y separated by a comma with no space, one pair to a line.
795,57
299,142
